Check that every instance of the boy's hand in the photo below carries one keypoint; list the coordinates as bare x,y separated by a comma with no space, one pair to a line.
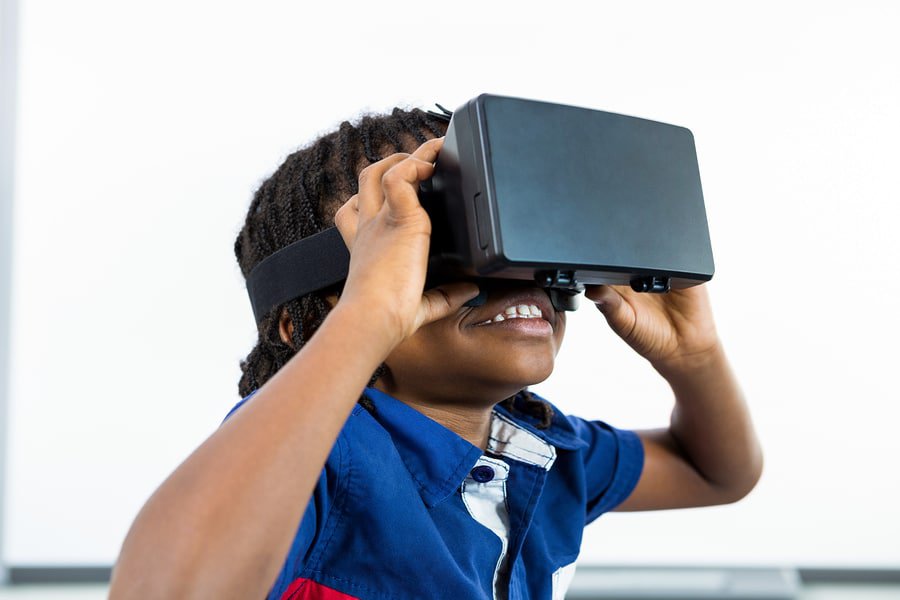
710,453
388,234
673,331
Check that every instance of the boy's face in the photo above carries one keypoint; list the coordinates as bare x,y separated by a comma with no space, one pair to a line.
471,358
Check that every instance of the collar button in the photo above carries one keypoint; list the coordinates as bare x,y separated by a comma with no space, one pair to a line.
482,473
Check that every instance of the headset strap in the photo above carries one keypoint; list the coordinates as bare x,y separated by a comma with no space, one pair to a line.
308,265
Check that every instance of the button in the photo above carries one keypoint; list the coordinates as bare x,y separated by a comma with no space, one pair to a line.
482,218
482,473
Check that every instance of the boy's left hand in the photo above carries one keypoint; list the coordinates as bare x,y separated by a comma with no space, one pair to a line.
671,330
709,454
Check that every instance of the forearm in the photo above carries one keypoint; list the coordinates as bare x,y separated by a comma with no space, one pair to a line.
222,523
711,424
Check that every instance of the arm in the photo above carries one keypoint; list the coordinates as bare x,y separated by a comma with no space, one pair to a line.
222,524
710,453
208,531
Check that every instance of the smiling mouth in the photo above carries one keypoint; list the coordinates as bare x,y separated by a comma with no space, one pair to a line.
520,311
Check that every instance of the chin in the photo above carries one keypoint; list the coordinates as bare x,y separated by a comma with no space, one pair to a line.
528,374
540,377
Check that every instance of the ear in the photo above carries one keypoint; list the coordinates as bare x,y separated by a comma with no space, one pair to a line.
286,328
286,324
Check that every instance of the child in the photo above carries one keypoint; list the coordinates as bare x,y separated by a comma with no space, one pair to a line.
396,453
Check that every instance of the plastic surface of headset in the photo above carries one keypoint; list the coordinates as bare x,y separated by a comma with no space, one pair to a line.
545,193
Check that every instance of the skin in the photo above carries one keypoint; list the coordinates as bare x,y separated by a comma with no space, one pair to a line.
221,524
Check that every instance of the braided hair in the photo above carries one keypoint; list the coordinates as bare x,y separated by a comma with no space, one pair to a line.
299,200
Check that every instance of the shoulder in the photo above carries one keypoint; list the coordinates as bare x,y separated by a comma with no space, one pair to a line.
606,460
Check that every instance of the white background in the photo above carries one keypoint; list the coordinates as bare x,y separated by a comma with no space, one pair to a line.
144,129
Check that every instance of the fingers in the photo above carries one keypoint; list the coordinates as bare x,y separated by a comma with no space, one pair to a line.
390,180
605,297
598,294
346,220
394,178
429,150
371,195
444,300
611,301
400,185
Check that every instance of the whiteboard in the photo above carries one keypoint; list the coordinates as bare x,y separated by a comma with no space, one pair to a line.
144,130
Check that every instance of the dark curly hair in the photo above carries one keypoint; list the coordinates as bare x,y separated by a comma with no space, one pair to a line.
299,200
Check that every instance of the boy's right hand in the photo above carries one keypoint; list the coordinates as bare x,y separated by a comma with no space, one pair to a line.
388,234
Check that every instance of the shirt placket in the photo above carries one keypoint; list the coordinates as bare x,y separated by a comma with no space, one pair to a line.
524,487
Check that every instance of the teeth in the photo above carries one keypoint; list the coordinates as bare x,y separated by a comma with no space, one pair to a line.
522,311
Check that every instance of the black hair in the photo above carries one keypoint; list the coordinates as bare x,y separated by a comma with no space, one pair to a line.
299,200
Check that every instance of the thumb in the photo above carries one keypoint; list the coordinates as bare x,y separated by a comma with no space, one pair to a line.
607,300
444,300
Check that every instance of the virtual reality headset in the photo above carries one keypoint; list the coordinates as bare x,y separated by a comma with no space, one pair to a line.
555,195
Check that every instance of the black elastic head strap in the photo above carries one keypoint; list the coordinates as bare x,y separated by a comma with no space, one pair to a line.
308,265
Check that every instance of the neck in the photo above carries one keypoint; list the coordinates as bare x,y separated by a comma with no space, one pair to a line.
472,422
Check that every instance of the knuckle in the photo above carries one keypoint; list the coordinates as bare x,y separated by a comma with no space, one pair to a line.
415,222
441,298
398,174
365,175
397,160
344,211
392,175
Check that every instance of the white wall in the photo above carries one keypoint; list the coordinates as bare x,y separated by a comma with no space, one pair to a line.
144,130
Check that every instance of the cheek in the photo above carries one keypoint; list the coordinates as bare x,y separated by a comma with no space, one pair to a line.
433,343
442,349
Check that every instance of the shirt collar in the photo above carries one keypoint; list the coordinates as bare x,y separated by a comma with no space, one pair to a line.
560,433
439,459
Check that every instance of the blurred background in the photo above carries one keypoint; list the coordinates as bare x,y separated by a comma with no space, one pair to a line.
134,135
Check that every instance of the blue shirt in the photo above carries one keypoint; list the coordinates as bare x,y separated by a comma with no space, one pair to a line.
406,508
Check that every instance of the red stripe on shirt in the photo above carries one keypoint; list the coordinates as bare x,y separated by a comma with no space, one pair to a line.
307,589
